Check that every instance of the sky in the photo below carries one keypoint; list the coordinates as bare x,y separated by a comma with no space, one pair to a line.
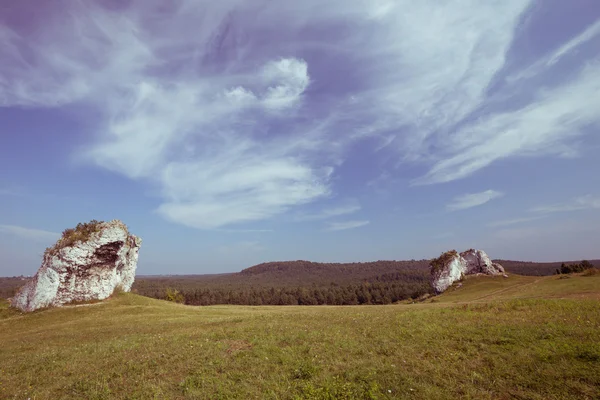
233,132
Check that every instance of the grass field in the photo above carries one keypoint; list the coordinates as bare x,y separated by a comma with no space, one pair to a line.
492,338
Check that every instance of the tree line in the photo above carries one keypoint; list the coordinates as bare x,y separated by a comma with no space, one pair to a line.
378,291
574,268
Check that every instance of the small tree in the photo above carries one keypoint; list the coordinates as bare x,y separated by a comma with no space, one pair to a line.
174,295
585,264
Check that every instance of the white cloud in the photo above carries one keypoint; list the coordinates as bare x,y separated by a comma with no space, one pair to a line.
37,235
290,79
240,95
218,103
188,132
77,55
588,34
473,200
554,57
580,203
349,207
543,127
513,221
340,226
238,184
436,67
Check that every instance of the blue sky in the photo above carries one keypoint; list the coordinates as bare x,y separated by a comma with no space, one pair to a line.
236,132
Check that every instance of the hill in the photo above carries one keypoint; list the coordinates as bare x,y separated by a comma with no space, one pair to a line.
491,338
536,268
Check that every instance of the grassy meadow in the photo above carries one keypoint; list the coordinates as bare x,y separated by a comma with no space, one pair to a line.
492,338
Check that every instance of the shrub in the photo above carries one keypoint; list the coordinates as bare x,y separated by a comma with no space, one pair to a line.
585,265
81,233
438,263
174,295
591,272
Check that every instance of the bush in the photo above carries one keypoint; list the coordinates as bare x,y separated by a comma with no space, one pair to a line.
591,272
585,265
81,233
438,263
174,295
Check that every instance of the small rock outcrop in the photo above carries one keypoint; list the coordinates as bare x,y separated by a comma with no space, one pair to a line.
87,263
452,266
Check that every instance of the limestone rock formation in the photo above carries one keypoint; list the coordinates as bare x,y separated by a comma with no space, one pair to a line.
452,266
87,263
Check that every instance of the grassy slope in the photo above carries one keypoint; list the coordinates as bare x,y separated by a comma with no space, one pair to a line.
488,339
485,289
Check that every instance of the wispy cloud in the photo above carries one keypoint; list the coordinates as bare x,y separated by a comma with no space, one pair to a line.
546,126
233,128
340,226
245,230
514,221
36,235
350,207
198,131
558,54
557,231
580,203
473,200
195,103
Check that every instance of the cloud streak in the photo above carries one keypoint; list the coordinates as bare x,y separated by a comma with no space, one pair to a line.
344,209
586,202
546,126
36,235
514,221
341,226
471,200
557,55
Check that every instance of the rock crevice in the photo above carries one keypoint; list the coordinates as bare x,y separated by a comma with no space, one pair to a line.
88,268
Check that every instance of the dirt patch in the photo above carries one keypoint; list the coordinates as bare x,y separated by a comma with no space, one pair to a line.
235,346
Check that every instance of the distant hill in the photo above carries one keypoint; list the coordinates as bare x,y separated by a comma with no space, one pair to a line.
285,273
10,285
537,268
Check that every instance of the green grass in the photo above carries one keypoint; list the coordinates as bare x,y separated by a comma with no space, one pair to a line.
493,338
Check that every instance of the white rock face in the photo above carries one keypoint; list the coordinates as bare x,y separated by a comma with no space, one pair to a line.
83,271
455,266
